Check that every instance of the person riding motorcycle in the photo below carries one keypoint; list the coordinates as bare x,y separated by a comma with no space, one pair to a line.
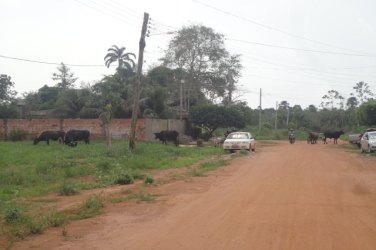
291,135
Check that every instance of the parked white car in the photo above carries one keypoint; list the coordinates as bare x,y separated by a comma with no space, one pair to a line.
239,140
368,142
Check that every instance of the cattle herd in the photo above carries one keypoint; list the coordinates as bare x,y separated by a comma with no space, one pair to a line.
72,137
313,137
69,138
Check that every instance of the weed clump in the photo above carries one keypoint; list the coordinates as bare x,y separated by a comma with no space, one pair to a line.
124,179
12,214
67,189
149,180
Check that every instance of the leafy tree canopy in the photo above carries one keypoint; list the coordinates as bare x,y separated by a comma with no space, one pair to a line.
124,60
64,77
6,92
211,70
211,117
367,113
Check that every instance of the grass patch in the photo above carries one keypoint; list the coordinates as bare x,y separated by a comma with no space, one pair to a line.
147,197
67,189
140,197
207,166
29,171
91,207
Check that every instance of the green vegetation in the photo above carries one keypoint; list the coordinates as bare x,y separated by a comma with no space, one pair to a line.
207,166
29,171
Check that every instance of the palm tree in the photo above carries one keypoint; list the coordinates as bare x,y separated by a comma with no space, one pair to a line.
117,54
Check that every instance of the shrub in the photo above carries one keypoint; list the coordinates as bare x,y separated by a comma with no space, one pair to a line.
149,180
12,214
124,179
67,189
36,225
56,219
17,135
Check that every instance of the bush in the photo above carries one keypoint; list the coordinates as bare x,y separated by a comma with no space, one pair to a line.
12,214
124,179
149,180
36,225
17,135
67,189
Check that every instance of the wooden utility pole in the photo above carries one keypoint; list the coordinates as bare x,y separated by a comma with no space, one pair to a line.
137,91
181,100
260,111
276,115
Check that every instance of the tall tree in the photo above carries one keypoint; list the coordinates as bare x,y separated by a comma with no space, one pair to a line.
200,51
367,113
124,60
229,69
6,92
352,102
64,77
363,92
333,99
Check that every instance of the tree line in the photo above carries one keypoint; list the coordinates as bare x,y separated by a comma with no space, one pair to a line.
197,79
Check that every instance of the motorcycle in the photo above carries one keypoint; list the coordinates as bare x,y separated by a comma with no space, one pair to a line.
292,138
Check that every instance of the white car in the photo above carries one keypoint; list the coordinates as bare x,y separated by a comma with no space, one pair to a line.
239,140
368,142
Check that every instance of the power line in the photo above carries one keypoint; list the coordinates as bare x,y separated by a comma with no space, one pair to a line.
300,49
266,26
107,14
51,63
114,10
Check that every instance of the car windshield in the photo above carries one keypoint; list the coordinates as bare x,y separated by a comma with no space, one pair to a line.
372,135
238,136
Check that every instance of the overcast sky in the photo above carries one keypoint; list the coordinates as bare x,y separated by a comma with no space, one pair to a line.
294,50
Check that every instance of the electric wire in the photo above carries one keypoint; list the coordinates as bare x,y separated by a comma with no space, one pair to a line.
265,26
51,63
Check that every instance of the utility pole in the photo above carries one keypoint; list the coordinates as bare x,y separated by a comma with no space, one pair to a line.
260,110
181,99
288,115
276,115
137,91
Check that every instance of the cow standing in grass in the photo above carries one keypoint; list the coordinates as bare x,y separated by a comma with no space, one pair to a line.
50,135
332,134
74,135
168,135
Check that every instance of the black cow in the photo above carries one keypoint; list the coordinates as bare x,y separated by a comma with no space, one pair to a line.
312,138
167,135
332,134
74,135
50,135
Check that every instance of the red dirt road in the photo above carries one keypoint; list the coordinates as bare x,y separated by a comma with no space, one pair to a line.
285,196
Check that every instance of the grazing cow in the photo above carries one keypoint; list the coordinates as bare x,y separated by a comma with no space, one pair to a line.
332,134
50,135
167,135
312,138
74,135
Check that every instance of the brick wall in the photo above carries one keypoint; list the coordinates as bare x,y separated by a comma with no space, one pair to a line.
120,128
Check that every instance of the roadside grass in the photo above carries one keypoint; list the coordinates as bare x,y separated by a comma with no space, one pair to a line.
207,166
139,197
354,149
28,172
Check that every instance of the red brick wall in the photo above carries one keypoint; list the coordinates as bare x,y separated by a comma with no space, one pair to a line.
120,128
